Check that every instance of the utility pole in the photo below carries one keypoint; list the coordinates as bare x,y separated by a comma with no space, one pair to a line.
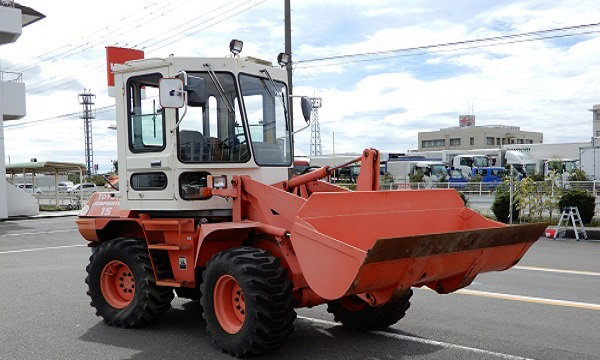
288,50
86,99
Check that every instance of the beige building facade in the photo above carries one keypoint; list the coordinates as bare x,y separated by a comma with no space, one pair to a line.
596,117
476,137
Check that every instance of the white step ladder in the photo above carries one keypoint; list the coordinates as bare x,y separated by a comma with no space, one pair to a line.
570,213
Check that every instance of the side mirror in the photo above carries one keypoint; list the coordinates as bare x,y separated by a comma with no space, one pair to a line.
170,93
306,108
196,91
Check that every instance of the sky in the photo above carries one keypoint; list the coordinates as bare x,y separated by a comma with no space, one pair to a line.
378,101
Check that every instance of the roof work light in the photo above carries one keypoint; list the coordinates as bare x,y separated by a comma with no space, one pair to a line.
235,46
284,59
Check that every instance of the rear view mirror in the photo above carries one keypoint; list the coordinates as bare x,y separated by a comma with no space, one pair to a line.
196,91
306,106
170,93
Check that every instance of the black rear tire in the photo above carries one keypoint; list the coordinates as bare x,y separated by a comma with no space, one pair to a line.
149,302
269,303
368,317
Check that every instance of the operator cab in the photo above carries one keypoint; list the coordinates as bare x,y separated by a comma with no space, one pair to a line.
186,118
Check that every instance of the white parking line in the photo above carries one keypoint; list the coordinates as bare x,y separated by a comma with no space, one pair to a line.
543,301
482,352
40,232
561,271
41,249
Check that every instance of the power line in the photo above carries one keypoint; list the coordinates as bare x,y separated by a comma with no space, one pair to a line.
68,116
131,26
129,19
206,27
446,50
43,86
464,42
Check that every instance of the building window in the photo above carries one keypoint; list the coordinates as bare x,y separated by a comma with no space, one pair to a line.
498,141
472,141
520,141
489,140
597,133
433,143
528,141
455,142
596,115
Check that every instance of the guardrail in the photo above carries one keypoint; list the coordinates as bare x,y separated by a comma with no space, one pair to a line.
8,3
11,76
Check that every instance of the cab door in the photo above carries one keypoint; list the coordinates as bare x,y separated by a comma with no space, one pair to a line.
149,170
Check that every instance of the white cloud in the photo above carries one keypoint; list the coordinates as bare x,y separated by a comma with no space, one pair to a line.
540,85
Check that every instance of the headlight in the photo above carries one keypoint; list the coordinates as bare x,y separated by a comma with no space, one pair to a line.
284,59
219,182
235,46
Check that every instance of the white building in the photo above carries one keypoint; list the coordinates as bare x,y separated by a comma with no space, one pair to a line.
13,17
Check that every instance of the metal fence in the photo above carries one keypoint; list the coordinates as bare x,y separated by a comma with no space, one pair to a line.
484,188
10,76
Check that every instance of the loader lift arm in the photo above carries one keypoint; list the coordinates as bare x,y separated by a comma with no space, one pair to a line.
368,178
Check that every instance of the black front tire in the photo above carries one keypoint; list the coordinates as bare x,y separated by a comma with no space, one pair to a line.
368,317
149,302
269,303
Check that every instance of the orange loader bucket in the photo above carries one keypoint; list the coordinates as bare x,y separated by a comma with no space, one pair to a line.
385,242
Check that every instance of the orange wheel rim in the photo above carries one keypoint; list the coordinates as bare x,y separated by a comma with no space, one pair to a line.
117,284
352,303
229,304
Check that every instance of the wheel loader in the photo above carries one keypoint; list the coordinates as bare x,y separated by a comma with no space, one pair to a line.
209,208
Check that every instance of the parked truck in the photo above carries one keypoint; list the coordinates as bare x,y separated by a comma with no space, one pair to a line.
431,170
208,208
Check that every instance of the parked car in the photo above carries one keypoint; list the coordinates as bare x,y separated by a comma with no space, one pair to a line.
88,188
65,186
29,188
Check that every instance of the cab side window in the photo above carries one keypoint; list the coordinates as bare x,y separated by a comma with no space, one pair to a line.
146,117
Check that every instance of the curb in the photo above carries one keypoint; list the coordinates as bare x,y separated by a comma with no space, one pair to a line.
19,218
593,233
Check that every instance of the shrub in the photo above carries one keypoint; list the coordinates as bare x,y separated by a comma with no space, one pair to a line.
416,177
476,178
501,208
585,202
578,175
538,176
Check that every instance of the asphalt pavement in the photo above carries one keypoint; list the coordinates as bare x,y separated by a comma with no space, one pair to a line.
548,307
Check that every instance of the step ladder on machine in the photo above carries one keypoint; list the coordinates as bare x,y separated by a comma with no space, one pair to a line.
570,213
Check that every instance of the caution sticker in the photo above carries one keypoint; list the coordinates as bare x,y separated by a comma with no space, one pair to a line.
182,263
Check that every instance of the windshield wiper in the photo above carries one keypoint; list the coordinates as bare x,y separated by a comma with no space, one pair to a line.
219,87
267,90
281,93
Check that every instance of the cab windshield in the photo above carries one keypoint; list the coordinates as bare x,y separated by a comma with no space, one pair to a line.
570,166
266,109
438,170
480,161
